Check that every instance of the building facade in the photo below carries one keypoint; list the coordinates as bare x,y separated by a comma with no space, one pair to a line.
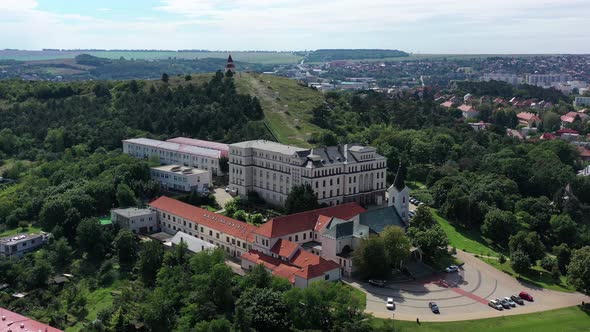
546,80
181,178
17,245
503,77
171,153
582,101
337,174
137,220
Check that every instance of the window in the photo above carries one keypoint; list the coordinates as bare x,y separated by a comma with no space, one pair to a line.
296,238
327,277
304,236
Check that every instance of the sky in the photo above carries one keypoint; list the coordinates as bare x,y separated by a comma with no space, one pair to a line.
417,26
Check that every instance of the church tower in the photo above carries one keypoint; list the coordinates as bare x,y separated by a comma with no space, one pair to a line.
230,65
399,194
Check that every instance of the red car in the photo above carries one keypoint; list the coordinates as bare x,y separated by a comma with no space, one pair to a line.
525,296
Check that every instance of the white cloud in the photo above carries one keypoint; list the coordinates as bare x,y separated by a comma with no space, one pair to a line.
481,26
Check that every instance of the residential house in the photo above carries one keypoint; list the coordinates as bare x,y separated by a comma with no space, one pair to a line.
548,137
584,153
585,171
16,246
582,101
528,119
570,119
469,112
447,104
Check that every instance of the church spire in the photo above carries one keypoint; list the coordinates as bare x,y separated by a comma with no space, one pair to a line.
399,182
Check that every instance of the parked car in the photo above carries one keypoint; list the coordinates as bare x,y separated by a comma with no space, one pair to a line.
390,305
226,189
526,296
504,303
378,283
412,200
517,299
509,300
452,268
434,307
494,304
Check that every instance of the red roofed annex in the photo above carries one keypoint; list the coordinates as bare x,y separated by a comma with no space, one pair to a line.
11,321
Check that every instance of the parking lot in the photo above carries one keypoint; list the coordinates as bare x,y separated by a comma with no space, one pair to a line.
461,296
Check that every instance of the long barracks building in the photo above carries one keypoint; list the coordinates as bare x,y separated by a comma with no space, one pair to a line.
338,174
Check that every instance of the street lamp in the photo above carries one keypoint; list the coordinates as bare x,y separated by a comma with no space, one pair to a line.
393,319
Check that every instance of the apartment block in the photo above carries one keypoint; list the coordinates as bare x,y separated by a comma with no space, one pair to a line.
337,174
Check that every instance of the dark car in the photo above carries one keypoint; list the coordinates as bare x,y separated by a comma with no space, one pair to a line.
434,307
526,296
378,283
517,299
504,303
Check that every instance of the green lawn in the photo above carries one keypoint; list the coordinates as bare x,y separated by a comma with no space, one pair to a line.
98,300
360,295
14,231
561,320
473,242
466,240
537,276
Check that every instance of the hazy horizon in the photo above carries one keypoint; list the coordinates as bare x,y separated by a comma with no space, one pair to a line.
419,27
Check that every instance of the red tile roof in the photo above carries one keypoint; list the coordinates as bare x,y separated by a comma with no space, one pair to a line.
548,136
527,116
306,221
203,217
304,264
466,108
447,104
21,323
223,148
568,119
566,131
584,153
285,248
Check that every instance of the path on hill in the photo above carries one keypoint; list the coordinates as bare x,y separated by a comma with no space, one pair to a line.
462,296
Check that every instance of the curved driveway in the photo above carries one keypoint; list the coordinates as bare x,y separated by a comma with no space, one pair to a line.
463,295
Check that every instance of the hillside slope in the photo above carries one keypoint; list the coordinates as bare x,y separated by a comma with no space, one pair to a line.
287,105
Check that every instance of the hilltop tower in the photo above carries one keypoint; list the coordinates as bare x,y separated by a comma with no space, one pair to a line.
230,65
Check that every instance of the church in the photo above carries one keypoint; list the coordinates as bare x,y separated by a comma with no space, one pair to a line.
332,233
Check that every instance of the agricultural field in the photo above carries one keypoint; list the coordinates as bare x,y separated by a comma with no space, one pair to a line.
251,57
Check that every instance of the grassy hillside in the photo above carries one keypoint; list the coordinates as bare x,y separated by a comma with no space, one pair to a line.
287,105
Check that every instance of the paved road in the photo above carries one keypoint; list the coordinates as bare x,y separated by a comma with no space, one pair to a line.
222,197
463,295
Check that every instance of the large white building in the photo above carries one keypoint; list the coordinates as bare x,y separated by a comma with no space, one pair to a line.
168,153
337,174
503,77
546,80
181,178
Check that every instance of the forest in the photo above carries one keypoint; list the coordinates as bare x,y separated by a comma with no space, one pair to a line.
61,142
509,191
